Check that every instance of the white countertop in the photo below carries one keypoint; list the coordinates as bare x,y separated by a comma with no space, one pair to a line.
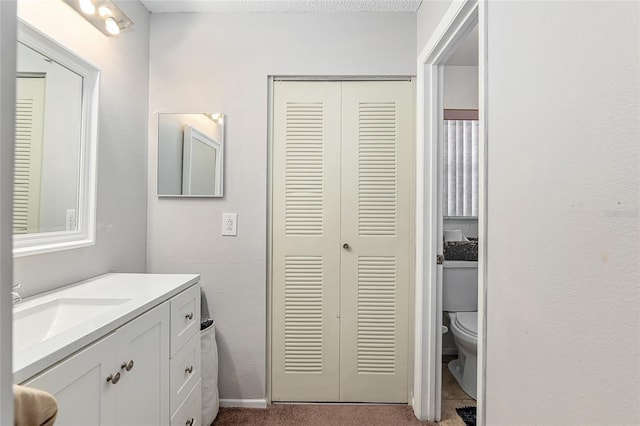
144,291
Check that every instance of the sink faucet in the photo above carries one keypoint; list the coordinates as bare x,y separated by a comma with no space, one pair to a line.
15,295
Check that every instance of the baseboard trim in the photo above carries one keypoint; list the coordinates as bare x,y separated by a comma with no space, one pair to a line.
244,403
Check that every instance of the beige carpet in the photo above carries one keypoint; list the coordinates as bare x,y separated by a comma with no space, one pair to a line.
350,415
320,415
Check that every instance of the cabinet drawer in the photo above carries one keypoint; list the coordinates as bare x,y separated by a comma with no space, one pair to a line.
185,317
185,372
190,412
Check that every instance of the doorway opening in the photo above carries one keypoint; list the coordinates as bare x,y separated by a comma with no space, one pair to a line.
454,34
459,156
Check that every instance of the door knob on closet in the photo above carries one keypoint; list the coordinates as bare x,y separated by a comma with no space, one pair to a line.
346,246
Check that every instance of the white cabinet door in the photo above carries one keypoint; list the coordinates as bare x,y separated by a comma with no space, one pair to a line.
80,385
143,391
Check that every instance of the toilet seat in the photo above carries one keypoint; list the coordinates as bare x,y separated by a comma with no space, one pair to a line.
468,322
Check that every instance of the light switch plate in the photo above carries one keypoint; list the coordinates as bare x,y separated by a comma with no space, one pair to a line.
229,224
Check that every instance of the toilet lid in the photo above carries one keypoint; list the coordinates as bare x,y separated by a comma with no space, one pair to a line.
468,321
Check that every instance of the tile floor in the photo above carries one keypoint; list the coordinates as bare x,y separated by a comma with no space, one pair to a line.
452,397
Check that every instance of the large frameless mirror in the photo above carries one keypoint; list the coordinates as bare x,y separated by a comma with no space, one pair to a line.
190,155
55,144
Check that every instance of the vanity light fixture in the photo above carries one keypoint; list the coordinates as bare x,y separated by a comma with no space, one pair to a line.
109,18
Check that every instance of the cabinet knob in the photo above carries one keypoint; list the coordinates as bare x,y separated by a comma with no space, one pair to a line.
127,365
114,378
189,369
190,422
189,316
346,246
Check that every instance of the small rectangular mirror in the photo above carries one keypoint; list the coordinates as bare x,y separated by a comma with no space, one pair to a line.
190,155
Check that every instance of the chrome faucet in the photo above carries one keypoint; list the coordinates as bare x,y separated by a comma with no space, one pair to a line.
15,293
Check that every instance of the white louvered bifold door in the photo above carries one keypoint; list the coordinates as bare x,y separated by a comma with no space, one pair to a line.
30,97
341,175
376,191
306,241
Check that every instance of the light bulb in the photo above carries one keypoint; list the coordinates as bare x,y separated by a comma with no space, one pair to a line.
104,11
112,26
87,7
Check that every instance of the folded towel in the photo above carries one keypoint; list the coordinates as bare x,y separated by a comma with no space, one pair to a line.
34,407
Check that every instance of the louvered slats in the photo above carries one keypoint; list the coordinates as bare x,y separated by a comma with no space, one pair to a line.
376,315
303,314
304,168
24,124
377,166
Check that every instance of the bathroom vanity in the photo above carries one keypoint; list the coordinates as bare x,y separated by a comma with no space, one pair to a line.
118,349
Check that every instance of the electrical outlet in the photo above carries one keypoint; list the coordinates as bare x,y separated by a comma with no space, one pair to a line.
71,224
229,224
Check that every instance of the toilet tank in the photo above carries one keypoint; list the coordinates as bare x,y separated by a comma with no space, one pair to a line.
459,286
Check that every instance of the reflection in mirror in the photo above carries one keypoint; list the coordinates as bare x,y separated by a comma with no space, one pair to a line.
190,154
47,146
56,133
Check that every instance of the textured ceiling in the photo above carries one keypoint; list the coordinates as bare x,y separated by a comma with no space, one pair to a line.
280,6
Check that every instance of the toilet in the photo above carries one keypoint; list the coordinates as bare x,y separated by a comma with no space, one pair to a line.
460,302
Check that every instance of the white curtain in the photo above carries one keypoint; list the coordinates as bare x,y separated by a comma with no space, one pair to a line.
460,168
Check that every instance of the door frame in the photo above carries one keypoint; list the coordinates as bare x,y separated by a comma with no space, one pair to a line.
8,43
411,363
458,21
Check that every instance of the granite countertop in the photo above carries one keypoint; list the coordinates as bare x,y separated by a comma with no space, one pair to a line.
140,291
461,250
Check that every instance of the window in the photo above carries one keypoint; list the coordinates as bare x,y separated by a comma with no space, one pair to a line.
460,165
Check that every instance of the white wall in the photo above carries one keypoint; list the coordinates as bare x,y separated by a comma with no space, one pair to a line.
7,119
220,62
122,146
460,87
429,15
563,301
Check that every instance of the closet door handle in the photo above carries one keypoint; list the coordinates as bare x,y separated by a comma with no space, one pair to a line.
346,246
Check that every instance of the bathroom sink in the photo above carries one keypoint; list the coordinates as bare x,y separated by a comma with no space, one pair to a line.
38,323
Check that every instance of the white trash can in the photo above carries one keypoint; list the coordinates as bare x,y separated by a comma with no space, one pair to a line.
209,370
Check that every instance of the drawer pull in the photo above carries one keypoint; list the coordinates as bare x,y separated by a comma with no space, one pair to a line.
189,369
190,422
189,316
114,378
127,365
